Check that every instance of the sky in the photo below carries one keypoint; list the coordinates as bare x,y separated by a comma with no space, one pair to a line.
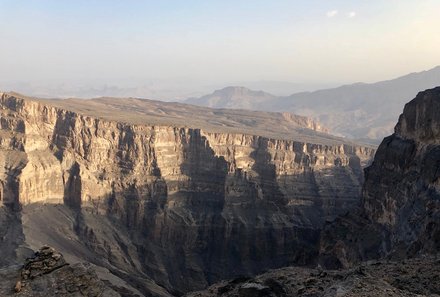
193,43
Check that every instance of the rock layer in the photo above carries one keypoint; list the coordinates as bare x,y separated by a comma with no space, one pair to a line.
400,213
197,206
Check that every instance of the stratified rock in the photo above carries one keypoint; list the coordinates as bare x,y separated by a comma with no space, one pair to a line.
180,207
400,213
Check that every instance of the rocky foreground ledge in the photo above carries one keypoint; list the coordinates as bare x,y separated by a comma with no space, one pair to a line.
48,274
415,277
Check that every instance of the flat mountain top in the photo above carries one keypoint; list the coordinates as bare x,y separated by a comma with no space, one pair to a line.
276,125
233,97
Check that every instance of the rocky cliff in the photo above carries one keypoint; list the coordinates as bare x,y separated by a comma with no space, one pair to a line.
398,221
165,206
400,213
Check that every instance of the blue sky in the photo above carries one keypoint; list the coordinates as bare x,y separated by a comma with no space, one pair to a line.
216,41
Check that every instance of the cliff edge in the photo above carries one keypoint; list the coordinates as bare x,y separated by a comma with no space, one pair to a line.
163,205
400,212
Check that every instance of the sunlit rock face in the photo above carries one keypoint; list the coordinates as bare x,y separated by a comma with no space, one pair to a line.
400,213
196,206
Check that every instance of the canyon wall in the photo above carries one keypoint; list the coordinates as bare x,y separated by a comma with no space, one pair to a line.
400,212
197,206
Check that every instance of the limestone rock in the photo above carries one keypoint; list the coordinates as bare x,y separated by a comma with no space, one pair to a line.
167,205
400,212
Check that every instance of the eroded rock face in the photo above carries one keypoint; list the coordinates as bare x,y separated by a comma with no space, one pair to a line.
198,206
400,214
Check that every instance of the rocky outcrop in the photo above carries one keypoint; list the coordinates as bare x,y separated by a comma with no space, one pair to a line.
400,213
415,277
48,274
184,206
306,122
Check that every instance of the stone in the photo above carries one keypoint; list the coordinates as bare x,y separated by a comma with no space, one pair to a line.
253,290
18,287
400,212
218,196
378,280
52,278
397,223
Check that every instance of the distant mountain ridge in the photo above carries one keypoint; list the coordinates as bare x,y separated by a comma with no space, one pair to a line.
233,97
360,110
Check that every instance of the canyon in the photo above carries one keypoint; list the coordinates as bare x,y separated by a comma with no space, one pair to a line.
400,209
167,198
389,245
138,209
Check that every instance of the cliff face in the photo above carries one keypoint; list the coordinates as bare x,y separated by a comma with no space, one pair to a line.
400,214
196,206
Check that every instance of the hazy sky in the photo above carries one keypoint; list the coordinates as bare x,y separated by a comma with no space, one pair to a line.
118,42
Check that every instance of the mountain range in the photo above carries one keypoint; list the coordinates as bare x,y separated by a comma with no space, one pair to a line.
121,197
361,111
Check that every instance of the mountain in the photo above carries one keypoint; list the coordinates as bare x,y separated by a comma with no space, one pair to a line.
360,111
164,198
389,246
400,211
283,88
234,98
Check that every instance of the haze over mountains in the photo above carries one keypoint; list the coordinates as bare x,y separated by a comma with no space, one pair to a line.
234,97
364,111
157,89
141,205
361,110
220,148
